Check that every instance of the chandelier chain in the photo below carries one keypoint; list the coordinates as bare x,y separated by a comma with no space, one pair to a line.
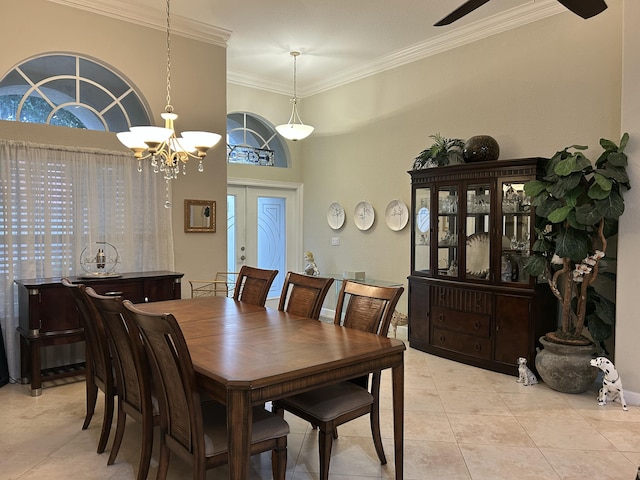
169,107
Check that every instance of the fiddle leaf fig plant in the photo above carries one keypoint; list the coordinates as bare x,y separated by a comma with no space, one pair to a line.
578,205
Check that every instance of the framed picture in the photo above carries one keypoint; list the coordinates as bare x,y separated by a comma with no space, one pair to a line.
199,216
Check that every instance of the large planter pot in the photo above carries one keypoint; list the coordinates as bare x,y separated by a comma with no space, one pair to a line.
566,368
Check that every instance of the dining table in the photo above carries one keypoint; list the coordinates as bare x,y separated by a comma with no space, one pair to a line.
245,355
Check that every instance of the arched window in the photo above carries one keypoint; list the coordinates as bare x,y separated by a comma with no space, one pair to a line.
71,91
253,140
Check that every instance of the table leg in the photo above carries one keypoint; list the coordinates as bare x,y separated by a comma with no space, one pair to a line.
239,425
398,417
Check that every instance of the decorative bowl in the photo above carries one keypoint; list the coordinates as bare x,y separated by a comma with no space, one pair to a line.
481,148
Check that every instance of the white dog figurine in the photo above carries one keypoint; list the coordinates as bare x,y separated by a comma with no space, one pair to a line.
611,383
525,375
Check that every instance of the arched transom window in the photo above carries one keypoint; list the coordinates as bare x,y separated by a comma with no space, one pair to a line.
71,91
253,140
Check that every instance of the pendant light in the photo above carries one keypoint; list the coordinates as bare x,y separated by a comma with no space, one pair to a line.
294,129
168,152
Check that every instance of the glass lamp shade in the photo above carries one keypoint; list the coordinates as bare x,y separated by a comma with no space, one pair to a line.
157,135
181,145
294,131
201,139
131,140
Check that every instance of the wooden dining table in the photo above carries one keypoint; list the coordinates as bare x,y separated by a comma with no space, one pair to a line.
245,355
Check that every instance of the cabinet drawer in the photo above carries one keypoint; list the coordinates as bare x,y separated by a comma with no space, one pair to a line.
462,299
458,342
472,324
132,291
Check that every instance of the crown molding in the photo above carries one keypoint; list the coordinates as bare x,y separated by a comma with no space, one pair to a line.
153,18
507,20
473,32
499,23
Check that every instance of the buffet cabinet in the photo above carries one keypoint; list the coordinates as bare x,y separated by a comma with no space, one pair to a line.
470,299
48,315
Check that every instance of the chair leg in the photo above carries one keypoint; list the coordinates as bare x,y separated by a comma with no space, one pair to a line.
92,398
117,440
374,418
325,442
163,462
147,446
279,459
106,422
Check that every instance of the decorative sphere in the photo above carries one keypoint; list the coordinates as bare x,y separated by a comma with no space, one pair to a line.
481,148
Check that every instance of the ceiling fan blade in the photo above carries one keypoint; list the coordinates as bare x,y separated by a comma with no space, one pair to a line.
585,8
467,7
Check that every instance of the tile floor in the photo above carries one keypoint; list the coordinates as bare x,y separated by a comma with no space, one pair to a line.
460,423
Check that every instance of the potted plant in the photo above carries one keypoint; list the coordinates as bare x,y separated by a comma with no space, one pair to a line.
577,209
444,151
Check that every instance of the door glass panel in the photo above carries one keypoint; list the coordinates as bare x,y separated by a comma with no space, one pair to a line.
478,251
516,233
422,230
448,231
272,239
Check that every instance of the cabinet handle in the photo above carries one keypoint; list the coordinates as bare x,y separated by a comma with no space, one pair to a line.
477,325
478,347
442,338
441,317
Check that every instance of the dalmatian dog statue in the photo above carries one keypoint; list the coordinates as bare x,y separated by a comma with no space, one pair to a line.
611,383
525,375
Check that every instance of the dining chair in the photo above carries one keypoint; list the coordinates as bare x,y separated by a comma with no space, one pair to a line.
224,285
99,364
304,295
135,396
253,284
195,431
368,308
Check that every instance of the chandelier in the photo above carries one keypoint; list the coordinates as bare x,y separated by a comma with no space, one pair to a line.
294,129
168,152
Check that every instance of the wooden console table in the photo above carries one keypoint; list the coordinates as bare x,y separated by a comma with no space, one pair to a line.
48,314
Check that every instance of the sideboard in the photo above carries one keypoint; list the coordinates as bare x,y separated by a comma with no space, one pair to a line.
48,315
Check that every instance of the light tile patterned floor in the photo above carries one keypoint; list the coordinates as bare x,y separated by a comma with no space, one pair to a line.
460,423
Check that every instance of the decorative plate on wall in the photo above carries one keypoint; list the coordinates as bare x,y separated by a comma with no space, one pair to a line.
335,216
396,215
364,215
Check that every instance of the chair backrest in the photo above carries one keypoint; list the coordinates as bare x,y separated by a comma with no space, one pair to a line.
303,295
180,411
94,331
368,307
131,364
253,284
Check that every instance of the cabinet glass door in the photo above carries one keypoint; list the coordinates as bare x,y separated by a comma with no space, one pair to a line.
422,229
477,250
447,236
516,232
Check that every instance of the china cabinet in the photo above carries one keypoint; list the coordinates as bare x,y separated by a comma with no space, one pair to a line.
470,299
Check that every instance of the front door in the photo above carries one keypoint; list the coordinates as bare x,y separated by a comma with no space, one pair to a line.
263,225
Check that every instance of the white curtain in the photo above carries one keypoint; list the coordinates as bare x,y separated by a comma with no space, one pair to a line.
55,201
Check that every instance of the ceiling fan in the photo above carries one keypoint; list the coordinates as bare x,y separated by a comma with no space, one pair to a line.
583,8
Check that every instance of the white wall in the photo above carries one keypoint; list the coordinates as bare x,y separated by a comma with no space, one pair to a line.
627,318
536,90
